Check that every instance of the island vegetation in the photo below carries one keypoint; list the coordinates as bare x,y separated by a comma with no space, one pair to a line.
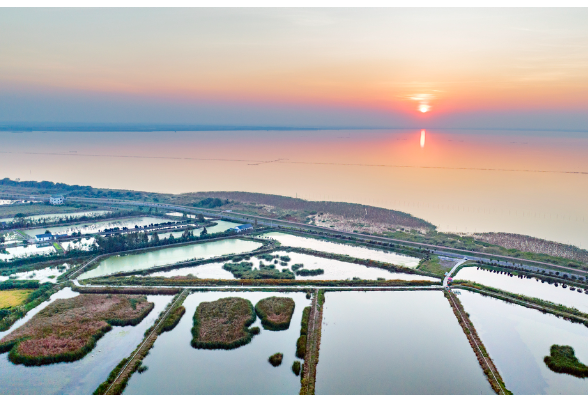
244,270
310,272
222,324
563,360
275,312
296,367
67,329
301,342
276,359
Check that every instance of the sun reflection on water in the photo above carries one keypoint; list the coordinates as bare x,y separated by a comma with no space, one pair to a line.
422,138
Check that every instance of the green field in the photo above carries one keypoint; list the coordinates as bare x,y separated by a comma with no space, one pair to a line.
12,298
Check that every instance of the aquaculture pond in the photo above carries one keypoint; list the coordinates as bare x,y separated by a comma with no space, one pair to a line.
82,376
94,227
26,251
48,274
221,226
55,217
518,338
175,367
333,269
395,342
339,248
528,287
170,255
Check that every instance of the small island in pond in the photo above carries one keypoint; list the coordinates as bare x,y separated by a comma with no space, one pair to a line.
67,329
275,312
222,324
563,360
276,359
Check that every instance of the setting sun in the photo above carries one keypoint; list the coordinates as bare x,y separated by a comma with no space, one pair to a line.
424,108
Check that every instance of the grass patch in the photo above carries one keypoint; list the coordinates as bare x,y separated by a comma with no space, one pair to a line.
275,312
563,360
173,319
276,359
13,298
244,270
67,329
431,264
222,324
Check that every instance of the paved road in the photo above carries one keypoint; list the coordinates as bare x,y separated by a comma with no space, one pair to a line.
452,271
439,250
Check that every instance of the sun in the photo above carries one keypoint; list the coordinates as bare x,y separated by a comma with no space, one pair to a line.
424,108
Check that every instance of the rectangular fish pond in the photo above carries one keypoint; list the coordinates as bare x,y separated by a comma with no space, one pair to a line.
221,226
169,255
527,287
175,367
332,269
518,339
82,376
340,248
395,342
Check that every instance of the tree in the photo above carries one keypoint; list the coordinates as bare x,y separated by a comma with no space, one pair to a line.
47,232
204,232
200,218
155,238
187,233
2,239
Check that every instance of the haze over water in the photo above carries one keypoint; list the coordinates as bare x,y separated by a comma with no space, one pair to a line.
527,182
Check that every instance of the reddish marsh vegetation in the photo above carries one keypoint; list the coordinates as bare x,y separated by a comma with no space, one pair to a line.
222,324
67,329
275,312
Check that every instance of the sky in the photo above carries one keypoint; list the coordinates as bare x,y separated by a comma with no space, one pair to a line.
446,68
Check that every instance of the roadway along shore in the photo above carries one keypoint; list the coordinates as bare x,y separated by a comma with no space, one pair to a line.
440,250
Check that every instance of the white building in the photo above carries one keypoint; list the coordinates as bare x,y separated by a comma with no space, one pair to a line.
56,200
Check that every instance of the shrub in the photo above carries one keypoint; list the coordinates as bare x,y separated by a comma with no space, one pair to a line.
301,347
310,272
296,368
276,359
255,330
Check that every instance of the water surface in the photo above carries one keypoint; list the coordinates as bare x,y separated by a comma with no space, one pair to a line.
528,287
175,367
170,255
518,338
390,343
334,269
339,248
94,227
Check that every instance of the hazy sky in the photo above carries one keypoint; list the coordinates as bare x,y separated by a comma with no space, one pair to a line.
517,68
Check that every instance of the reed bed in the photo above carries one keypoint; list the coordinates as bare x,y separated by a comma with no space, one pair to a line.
67,329
275,312
222,324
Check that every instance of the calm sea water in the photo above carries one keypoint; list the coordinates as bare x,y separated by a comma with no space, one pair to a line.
532,183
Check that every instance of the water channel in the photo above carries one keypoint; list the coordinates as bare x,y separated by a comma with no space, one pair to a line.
403,342
175,367
354,251
518,338
170,255
81,377
528,287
